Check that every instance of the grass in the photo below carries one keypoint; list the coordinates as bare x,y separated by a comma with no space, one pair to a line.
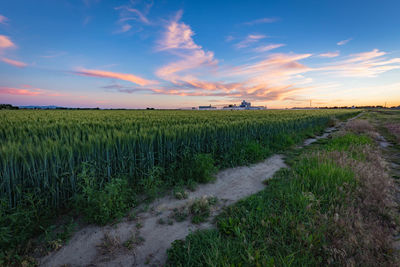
102,205
99,165
200,209
329,208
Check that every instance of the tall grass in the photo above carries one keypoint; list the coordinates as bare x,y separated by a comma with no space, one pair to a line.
333,207
44,150
44,153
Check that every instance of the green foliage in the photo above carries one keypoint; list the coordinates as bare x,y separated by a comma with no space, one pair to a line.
180,214
151,183
191,185
279,226
180,193
43,155
254,152
344,142
201,208
203,168
102,205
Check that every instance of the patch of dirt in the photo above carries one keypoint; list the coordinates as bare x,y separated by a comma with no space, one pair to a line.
230,186
117,245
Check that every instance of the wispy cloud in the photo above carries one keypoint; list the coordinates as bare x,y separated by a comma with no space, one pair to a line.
250,39
265,48
14,63
178,35
330,54
5,42
124,28
261,21
178,40
343,42
3,19
196,73
115,75
27,90
20,91
133,12
229,38
366,64
274,78
86,20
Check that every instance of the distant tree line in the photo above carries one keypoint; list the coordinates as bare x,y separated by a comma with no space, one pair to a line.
7,106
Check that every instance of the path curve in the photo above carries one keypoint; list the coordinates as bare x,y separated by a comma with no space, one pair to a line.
231,185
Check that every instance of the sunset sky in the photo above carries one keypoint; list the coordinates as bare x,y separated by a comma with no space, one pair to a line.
173,54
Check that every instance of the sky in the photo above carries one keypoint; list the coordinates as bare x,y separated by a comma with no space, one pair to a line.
181,54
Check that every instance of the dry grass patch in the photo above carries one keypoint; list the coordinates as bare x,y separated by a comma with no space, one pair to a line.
361,229
394,128
361,127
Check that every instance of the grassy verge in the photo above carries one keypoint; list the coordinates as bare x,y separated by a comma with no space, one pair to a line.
332,207
104,202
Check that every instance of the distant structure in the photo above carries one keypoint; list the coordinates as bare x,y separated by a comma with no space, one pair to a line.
244,106
207,107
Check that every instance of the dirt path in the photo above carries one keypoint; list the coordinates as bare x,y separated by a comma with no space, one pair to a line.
392,157
145,239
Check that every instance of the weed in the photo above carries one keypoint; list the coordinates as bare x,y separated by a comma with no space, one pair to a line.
180,214
192,185
330,208
180,193
102,205
133,241
109,244
204,168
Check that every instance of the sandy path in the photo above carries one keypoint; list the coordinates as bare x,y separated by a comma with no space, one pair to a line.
231,185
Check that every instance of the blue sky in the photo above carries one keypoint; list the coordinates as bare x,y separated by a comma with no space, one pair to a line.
169,54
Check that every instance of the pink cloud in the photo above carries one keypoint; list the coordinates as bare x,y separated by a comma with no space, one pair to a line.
14,63
130,13
3,19
366,56
140,16
278,67
343,42
229,38
125,28
19,91
115,75
178,40
366,64
27,90
5,42
251,38
261,21
329,54
195,59
276,77
266,48
178,35
268,79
